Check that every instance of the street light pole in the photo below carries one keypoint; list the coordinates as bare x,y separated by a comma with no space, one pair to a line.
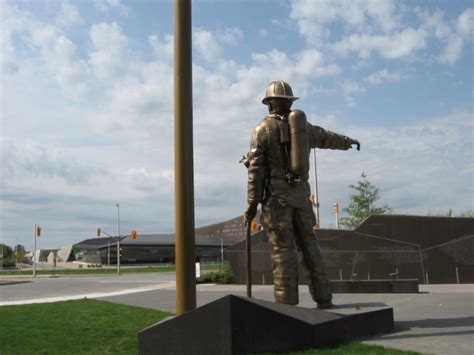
118,238
3,243
34,253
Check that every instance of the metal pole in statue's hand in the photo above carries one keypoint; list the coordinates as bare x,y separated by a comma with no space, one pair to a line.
249,260
316,194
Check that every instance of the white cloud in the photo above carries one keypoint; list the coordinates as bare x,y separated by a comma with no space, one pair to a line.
11,22
162,49
455,38
382,76
69,15
315,33
206,45
307,63
311,63
139,105
464,23
314,17
111,59
231,36
434,23
350,87
58,53
111,5
395,46
365,27
453,50
146,180
31,160
384,13
453,34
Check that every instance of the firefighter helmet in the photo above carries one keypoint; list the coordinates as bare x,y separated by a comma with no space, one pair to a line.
279,89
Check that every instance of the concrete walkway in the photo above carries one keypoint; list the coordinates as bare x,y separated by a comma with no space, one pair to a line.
440,321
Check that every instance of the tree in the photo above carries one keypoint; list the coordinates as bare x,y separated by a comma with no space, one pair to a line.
7,254
20,249
468,213
19,253
450,213
7,251
12,256
362,204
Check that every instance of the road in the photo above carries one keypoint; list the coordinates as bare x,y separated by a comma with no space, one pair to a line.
439,319
60,288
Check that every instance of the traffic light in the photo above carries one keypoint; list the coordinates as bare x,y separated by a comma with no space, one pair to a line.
254,225
98,232
120,252
38,231
134,234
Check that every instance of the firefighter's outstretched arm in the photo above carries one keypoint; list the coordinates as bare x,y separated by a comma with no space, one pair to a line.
325,139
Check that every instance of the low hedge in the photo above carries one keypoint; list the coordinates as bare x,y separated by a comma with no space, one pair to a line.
217,277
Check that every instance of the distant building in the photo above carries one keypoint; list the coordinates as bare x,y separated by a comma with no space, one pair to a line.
159,248
41,255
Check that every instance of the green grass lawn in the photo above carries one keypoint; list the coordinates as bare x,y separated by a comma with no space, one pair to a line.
73,327
102,271
355,348
97,327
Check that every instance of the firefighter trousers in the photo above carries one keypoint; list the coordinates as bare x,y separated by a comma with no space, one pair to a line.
292,238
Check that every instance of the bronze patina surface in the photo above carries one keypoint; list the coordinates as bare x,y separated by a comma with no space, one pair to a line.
284,192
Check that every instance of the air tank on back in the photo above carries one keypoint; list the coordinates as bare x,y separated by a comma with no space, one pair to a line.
299,143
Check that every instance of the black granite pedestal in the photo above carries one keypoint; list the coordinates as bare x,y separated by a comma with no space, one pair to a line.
238,325
375,286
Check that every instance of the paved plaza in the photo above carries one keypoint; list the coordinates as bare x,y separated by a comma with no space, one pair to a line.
438,320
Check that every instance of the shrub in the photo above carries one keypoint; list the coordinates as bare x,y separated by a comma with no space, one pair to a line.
218,277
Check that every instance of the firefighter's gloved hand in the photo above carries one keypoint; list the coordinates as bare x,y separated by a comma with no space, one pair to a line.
250,213
356,142
349,142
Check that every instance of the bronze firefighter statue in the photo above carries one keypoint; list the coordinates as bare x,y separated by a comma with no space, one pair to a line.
278,168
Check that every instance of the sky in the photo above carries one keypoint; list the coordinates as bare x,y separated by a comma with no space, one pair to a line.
86,90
